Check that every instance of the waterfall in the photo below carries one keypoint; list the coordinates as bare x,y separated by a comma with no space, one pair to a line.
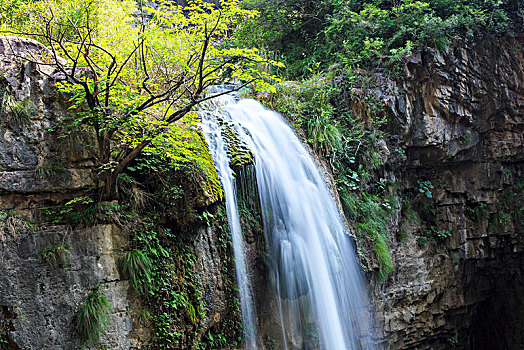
218,149
312,263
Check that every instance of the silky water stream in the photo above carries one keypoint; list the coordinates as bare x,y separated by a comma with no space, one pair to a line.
312,264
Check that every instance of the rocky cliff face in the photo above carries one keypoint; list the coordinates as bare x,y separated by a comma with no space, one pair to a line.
38,302
457,150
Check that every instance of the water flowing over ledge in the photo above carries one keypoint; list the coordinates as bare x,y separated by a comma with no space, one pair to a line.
312,263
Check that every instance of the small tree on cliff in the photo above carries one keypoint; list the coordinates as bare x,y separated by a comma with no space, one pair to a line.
134,74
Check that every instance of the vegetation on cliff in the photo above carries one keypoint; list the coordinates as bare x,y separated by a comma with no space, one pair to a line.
313,35
134,79
139,76
344,52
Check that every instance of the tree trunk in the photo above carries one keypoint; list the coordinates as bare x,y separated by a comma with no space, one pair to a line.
110,188
109,177
107,191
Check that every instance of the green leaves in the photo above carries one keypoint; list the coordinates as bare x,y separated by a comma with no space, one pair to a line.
137,266
425,188
135,77
369,33
92,320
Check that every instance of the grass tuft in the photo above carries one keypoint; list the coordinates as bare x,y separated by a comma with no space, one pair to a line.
137,266
19,112
93,318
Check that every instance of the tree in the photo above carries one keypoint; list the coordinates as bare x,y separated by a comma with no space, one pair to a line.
134,73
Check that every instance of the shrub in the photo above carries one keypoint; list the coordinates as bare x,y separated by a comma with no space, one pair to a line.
312,34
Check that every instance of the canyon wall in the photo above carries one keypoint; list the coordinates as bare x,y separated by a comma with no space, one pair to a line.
456,148
40,172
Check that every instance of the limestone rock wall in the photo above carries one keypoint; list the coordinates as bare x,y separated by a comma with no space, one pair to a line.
40,302
457,123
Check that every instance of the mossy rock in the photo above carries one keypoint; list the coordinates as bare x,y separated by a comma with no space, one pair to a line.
239,154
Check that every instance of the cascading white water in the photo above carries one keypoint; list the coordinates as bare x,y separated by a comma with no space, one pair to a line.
313,266
218,149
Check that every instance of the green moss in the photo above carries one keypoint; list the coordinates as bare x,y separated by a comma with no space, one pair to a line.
55,255
211,184
240,155
372,223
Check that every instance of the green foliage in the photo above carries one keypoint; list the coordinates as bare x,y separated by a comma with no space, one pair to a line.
136,86
135,195
270,343
143,317
10,11
136,266
175,297
438,234
55,255
371,219
425,188
18,112
384,32
453,341
477,215
78,211
369,33
93,318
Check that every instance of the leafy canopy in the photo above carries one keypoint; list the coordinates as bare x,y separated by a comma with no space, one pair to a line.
311,35
135,74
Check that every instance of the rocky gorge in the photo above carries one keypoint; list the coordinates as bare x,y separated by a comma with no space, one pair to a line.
454,146
458,116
